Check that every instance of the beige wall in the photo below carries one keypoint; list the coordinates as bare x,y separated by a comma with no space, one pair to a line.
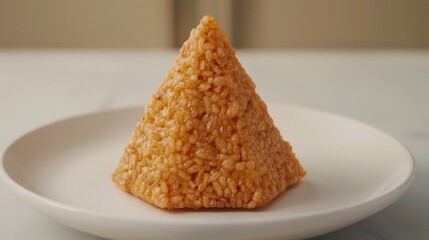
332,23
86,23
249,23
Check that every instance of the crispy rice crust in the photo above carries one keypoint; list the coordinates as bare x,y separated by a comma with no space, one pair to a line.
206,139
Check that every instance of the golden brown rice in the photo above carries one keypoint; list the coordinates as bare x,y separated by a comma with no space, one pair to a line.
206,139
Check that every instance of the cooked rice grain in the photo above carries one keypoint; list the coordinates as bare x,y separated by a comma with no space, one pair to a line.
206,139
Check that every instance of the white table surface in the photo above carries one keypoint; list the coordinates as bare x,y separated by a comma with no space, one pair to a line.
387,89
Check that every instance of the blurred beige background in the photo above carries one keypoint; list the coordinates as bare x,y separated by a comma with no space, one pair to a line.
249,23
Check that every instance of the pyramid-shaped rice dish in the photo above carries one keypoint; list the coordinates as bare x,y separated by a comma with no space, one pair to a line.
206,139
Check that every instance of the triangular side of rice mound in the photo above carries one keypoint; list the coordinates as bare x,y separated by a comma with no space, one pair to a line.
206,139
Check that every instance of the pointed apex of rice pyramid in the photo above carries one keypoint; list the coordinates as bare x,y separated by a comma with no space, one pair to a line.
206,139
210,22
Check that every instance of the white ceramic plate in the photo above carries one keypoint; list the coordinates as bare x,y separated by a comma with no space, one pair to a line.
63,170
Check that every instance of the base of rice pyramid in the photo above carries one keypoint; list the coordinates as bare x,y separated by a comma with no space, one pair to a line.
206,139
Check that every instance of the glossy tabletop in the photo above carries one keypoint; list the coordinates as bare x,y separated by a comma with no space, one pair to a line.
385,88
